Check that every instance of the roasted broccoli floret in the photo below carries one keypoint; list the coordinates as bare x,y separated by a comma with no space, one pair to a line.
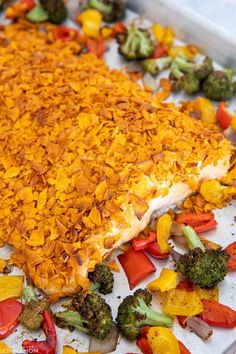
183,81
134,312
204,267
136,43
37,14
111,10
102,279
187,75
2,3
154,66
88,313
218,86
32,317
56,10
200,71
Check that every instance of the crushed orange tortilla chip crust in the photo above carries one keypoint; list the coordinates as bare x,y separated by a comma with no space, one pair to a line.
79,145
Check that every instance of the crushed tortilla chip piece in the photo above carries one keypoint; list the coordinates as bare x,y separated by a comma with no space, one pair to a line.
113,266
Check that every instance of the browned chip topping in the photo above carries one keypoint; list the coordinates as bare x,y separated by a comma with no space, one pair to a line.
81,148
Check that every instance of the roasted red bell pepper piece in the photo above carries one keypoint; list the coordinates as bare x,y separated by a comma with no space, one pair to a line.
50,344
141,242
96,46
118,28
144,331
231,250
64,33
154,250
159,52
193,219
219,315
201,222
144,346
137,266
223,116
186,285
29,4
207,226
183,349
10,311
182,321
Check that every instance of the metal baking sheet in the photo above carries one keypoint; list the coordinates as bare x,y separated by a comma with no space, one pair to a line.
195,27
225,234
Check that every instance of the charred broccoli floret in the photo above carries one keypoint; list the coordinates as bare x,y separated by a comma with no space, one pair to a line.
134,312
88,313
111,10
154,66
32,317
204,267
102,279
218,86
136,43
56,10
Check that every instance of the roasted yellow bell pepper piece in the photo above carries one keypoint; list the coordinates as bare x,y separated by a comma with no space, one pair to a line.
188,51
166,281
4,349
163,232
207,294
180,302
162,341
106,32
158,31
208,114
164,35
11,286
233,123
69,350
2,265
91,21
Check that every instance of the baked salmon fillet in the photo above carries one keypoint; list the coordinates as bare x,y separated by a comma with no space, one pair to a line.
86,157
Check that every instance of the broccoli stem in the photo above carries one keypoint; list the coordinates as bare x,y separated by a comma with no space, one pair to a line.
101,7
71,319
153,66
176,72
94,287
192,238
29,294
153,318
184,65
